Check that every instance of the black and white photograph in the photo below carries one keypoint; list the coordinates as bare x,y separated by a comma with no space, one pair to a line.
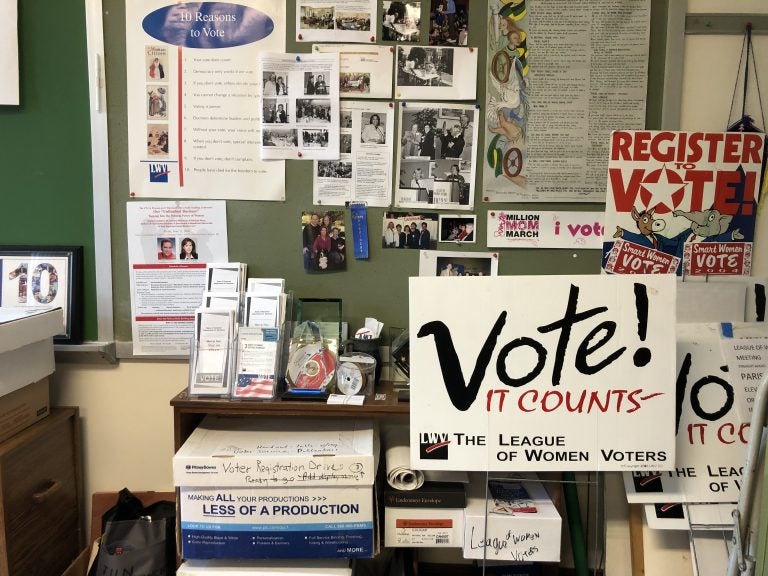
317,18
374,128
458,264
273,84
314,138
334,169
440,142
354,83
345,143
279,137
429,72
275,111
345,119
356,21
313,110
448,22
424,66
449,174
414,230
316,84
401,21
457,228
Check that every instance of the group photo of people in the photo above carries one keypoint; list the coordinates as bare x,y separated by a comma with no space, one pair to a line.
313,110
314,138
457,229
323,241
315,84
410,230
448,22
422,66
334,169
401,21
273,84
427,132
354,83
463,266
359,21
313,18
283,137
275,111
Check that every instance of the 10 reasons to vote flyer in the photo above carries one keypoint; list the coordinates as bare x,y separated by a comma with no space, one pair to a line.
169,244
193,98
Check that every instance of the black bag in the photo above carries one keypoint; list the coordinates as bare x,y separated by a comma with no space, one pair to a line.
137,540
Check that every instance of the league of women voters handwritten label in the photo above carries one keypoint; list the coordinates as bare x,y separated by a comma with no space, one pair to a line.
543,373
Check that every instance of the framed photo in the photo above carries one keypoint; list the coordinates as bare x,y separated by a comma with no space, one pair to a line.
48,276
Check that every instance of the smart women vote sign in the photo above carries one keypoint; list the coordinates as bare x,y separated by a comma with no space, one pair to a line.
543,373
682,202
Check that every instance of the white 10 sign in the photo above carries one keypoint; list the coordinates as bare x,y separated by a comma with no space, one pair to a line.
28,281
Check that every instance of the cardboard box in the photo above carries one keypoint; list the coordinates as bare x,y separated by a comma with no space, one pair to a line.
320,522
265,568
423,527
517,535
275,452
26,345
23,407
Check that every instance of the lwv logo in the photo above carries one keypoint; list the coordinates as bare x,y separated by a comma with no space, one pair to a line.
433,446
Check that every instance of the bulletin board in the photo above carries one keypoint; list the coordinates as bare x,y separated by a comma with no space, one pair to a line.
267,235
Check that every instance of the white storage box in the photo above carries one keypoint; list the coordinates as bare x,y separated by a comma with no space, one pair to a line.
270,452
319,522
265,568
26,345
528,530
423,527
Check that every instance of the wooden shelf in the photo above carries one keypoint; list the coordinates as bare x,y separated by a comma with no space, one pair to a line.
188,412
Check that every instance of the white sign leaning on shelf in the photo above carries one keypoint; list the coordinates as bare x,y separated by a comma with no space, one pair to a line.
543,373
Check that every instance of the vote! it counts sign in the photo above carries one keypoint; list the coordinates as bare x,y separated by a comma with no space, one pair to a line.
543,373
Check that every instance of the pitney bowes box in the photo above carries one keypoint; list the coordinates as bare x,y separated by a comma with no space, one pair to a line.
319,522
267,452
423,527
265,568
523,523
26,345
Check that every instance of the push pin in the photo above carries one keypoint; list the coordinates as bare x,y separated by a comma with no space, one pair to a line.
300,37
298,58
391,105
485,199
299,153
471,50
373,38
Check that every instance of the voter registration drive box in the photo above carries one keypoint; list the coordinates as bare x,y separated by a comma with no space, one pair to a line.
306,522
26,345
423,527
264,568
266,452
523,528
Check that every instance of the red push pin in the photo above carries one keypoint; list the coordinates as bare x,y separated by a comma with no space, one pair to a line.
300,37
471,50
373,38
493,214
391,104
299,154
392,49
485,198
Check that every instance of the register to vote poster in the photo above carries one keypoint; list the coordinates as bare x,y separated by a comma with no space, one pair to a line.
194,125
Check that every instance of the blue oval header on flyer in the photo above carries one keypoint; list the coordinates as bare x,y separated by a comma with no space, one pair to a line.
208,25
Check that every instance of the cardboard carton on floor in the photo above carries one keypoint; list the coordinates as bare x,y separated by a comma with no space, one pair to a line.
523,524
312,522
274,453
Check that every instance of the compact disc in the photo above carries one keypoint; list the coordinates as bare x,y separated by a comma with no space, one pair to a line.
311,367
349,378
